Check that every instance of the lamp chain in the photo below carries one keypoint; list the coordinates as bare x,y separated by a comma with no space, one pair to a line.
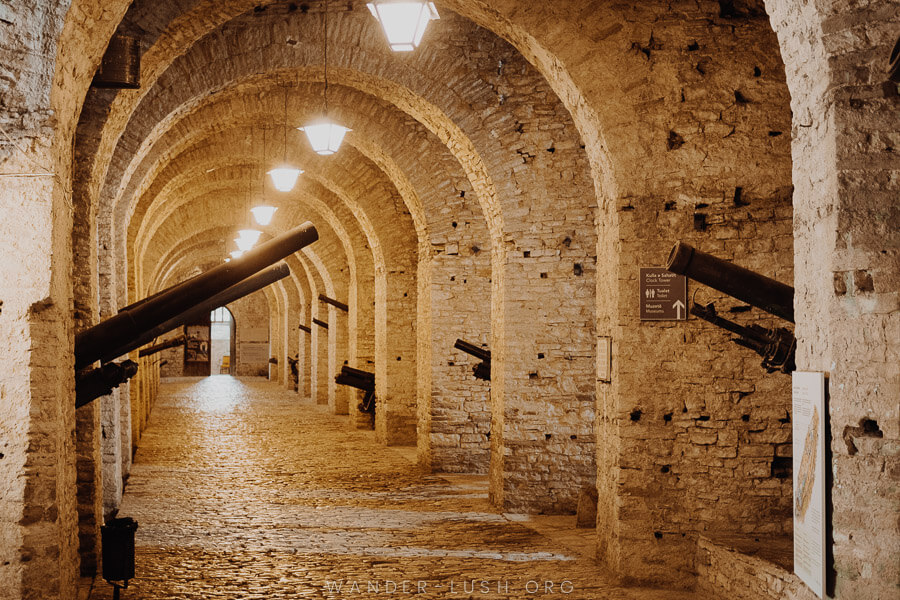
326,58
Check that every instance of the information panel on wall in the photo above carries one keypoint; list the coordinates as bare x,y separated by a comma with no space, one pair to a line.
663,295
808,403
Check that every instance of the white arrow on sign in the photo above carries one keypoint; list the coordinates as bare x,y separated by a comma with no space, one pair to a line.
678,306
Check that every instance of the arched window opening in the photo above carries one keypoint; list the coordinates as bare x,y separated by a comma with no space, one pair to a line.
222,341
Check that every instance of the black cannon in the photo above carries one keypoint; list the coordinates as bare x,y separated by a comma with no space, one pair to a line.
164,345
361,380
483,369
776,346
141,322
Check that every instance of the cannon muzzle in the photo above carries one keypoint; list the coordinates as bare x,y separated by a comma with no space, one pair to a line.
748,286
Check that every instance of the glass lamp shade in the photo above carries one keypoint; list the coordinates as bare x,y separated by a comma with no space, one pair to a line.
243,244
236,253
250,234
284,178
263,214
325,137
404,22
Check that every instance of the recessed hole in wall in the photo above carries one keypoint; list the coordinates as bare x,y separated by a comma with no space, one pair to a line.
657,535
693,46
454,224
745,418
543,276
757,71
573,437
699,222
547,436
551,149
577,270
462,194
526,254
740,98
453,278
738,197
405,295
567,242
667,417
398,358
785,419
488,435
774,133
674,141
665,469
862,281
304,7
782,467
703,418
635,415
465,280
670,205
540,355
533,375
867,428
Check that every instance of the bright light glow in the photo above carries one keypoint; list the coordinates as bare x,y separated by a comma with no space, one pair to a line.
284,178
236,253
250,234
404,22
324,136
243,244
227,260
263,214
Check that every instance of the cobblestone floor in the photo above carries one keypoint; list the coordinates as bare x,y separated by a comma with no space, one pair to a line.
242,491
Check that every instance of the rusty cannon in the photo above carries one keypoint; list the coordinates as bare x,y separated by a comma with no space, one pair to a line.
140,323
483,369
361,380
776,346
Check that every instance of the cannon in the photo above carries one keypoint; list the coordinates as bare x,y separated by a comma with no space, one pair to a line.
165,345
361,380
85,391
776,346
483,369
130,323
141,322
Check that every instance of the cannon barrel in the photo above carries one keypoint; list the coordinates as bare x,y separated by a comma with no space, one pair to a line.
748,286
305,328
150,350
91,384
245,287
92,343
477,352
335,303
356,378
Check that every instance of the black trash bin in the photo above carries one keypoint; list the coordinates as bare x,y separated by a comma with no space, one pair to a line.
117,538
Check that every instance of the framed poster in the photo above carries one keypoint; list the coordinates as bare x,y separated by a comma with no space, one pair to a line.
808,418
196,347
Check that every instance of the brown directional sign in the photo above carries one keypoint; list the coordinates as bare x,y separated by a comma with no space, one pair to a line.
663,295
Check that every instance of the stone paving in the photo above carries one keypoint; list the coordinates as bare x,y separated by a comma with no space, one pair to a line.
243,491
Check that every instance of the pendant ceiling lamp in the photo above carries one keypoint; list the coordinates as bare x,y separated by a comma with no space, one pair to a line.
285,176
404,21
252,235
325,136
263,213
243,244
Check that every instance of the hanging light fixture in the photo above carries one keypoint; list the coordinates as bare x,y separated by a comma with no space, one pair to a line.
404,21
324,135
285,176
243,244
263,214
250,234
